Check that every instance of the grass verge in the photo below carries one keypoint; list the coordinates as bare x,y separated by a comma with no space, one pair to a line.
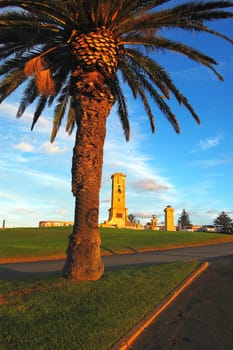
51,242
54,313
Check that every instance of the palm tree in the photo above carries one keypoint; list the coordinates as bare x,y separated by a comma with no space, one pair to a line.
74,55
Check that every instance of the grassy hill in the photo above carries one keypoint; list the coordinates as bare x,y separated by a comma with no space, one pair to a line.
52,242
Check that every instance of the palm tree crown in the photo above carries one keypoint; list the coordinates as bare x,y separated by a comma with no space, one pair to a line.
65,47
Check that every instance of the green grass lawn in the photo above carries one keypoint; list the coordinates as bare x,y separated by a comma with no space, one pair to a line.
50,242
33,242
52,314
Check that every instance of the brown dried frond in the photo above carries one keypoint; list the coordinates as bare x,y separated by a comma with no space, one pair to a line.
3,301
34,66
45,83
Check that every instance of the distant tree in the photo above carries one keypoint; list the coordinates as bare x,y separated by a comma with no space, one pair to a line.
183,220
131,218
225,222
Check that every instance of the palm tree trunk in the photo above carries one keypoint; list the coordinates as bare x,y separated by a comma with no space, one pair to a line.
83,253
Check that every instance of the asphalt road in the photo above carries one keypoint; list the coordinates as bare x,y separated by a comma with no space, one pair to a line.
54,267
201,318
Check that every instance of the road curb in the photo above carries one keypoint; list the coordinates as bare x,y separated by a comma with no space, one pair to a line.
127,340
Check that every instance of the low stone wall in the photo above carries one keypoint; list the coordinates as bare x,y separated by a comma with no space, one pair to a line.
55,223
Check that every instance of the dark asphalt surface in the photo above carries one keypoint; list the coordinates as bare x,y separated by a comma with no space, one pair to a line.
201,318
54,267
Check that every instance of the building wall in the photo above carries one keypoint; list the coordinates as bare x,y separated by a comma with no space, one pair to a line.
55,223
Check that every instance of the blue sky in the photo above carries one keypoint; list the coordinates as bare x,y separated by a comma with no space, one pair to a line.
192,170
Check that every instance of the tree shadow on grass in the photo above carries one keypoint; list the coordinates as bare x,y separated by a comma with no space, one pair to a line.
124,249
131,249
108,250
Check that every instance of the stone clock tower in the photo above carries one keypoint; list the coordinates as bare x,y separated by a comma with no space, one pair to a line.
118,213
169,219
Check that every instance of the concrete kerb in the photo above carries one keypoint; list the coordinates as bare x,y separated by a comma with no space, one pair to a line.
129,338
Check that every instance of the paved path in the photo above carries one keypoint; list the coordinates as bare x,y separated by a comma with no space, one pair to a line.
201,318
54,267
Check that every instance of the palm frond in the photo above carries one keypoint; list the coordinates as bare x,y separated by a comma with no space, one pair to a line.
11,82
9,65
30,94
45,83
185,16
149,66
11,49
70,123
130,9
161,104
34,66
202,28
147,108
160,43
42,9
135,77
130,78
157,75
121,107
39,109
59,113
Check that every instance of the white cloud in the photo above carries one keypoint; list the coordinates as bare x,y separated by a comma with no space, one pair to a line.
52,148
48,179
143,215
217,212
203,187
149,185
213,162
209,143
43,125
120,156
27,211
9,109
25,147
38,178
5,195
63,212
212,212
